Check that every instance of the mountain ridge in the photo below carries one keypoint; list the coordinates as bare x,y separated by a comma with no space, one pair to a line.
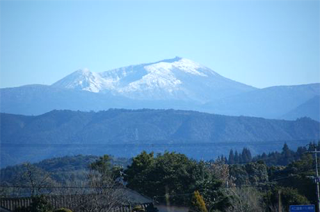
310,108
271,102
176,83
175,78
127,132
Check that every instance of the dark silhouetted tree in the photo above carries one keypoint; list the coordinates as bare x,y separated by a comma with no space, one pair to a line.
231,157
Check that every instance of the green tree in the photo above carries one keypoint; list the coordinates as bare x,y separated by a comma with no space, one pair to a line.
288,196
104,168
231,157
249,174
287,155
102,165
296,175
236,157
170,176
246,156
136,173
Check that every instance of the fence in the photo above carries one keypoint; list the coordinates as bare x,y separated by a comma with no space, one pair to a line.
76,203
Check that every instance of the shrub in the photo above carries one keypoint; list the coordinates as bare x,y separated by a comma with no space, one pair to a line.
197,203
62,210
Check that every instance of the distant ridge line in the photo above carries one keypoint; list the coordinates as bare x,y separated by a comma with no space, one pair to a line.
151,144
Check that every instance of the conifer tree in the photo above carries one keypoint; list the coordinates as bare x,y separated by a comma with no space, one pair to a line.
231,157
236,157
246,155
286,155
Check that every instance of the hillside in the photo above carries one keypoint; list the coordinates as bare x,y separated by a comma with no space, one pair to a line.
67,170
124,133
310,108
39,99
272,102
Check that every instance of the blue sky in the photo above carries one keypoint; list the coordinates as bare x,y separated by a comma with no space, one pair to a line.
260,43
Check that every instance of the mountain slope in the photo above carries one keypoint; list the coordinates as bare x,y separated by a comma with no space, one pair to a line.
39,99
127,132
84,80
272,102
310,108
176,83
173,79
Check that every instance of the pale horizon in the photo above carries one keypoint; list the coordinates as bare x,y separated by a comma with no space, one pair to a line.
258,43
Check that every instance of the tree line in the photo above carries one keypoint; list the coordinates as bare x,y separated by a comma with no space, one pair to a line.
283,158
174,179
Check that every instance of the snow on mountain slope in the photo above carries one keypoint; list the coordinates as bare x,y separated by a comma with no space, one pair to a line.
84,80
171,79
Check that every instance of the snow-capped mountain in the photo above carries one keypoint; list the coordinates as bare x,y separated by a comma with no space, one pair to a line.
86,80
172,79
176,83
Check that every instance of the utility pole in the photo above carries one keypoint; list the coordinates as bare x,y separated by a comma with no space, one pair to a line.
317,176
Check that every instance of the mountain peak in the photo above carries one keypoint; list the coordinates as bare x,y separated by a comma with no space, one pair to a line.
84,70
84,79
80,72
175,59
177,78
183,65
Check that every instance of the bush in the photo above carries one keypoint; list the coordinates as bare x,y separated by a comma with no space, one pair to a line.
197,203
62,210
138,208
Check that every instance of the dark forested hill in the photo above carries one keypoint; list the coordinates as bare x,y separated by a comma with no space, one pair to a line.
126,132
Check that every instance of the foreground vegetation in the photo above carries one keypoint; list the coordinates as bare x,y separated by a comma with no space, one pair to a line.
174,179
